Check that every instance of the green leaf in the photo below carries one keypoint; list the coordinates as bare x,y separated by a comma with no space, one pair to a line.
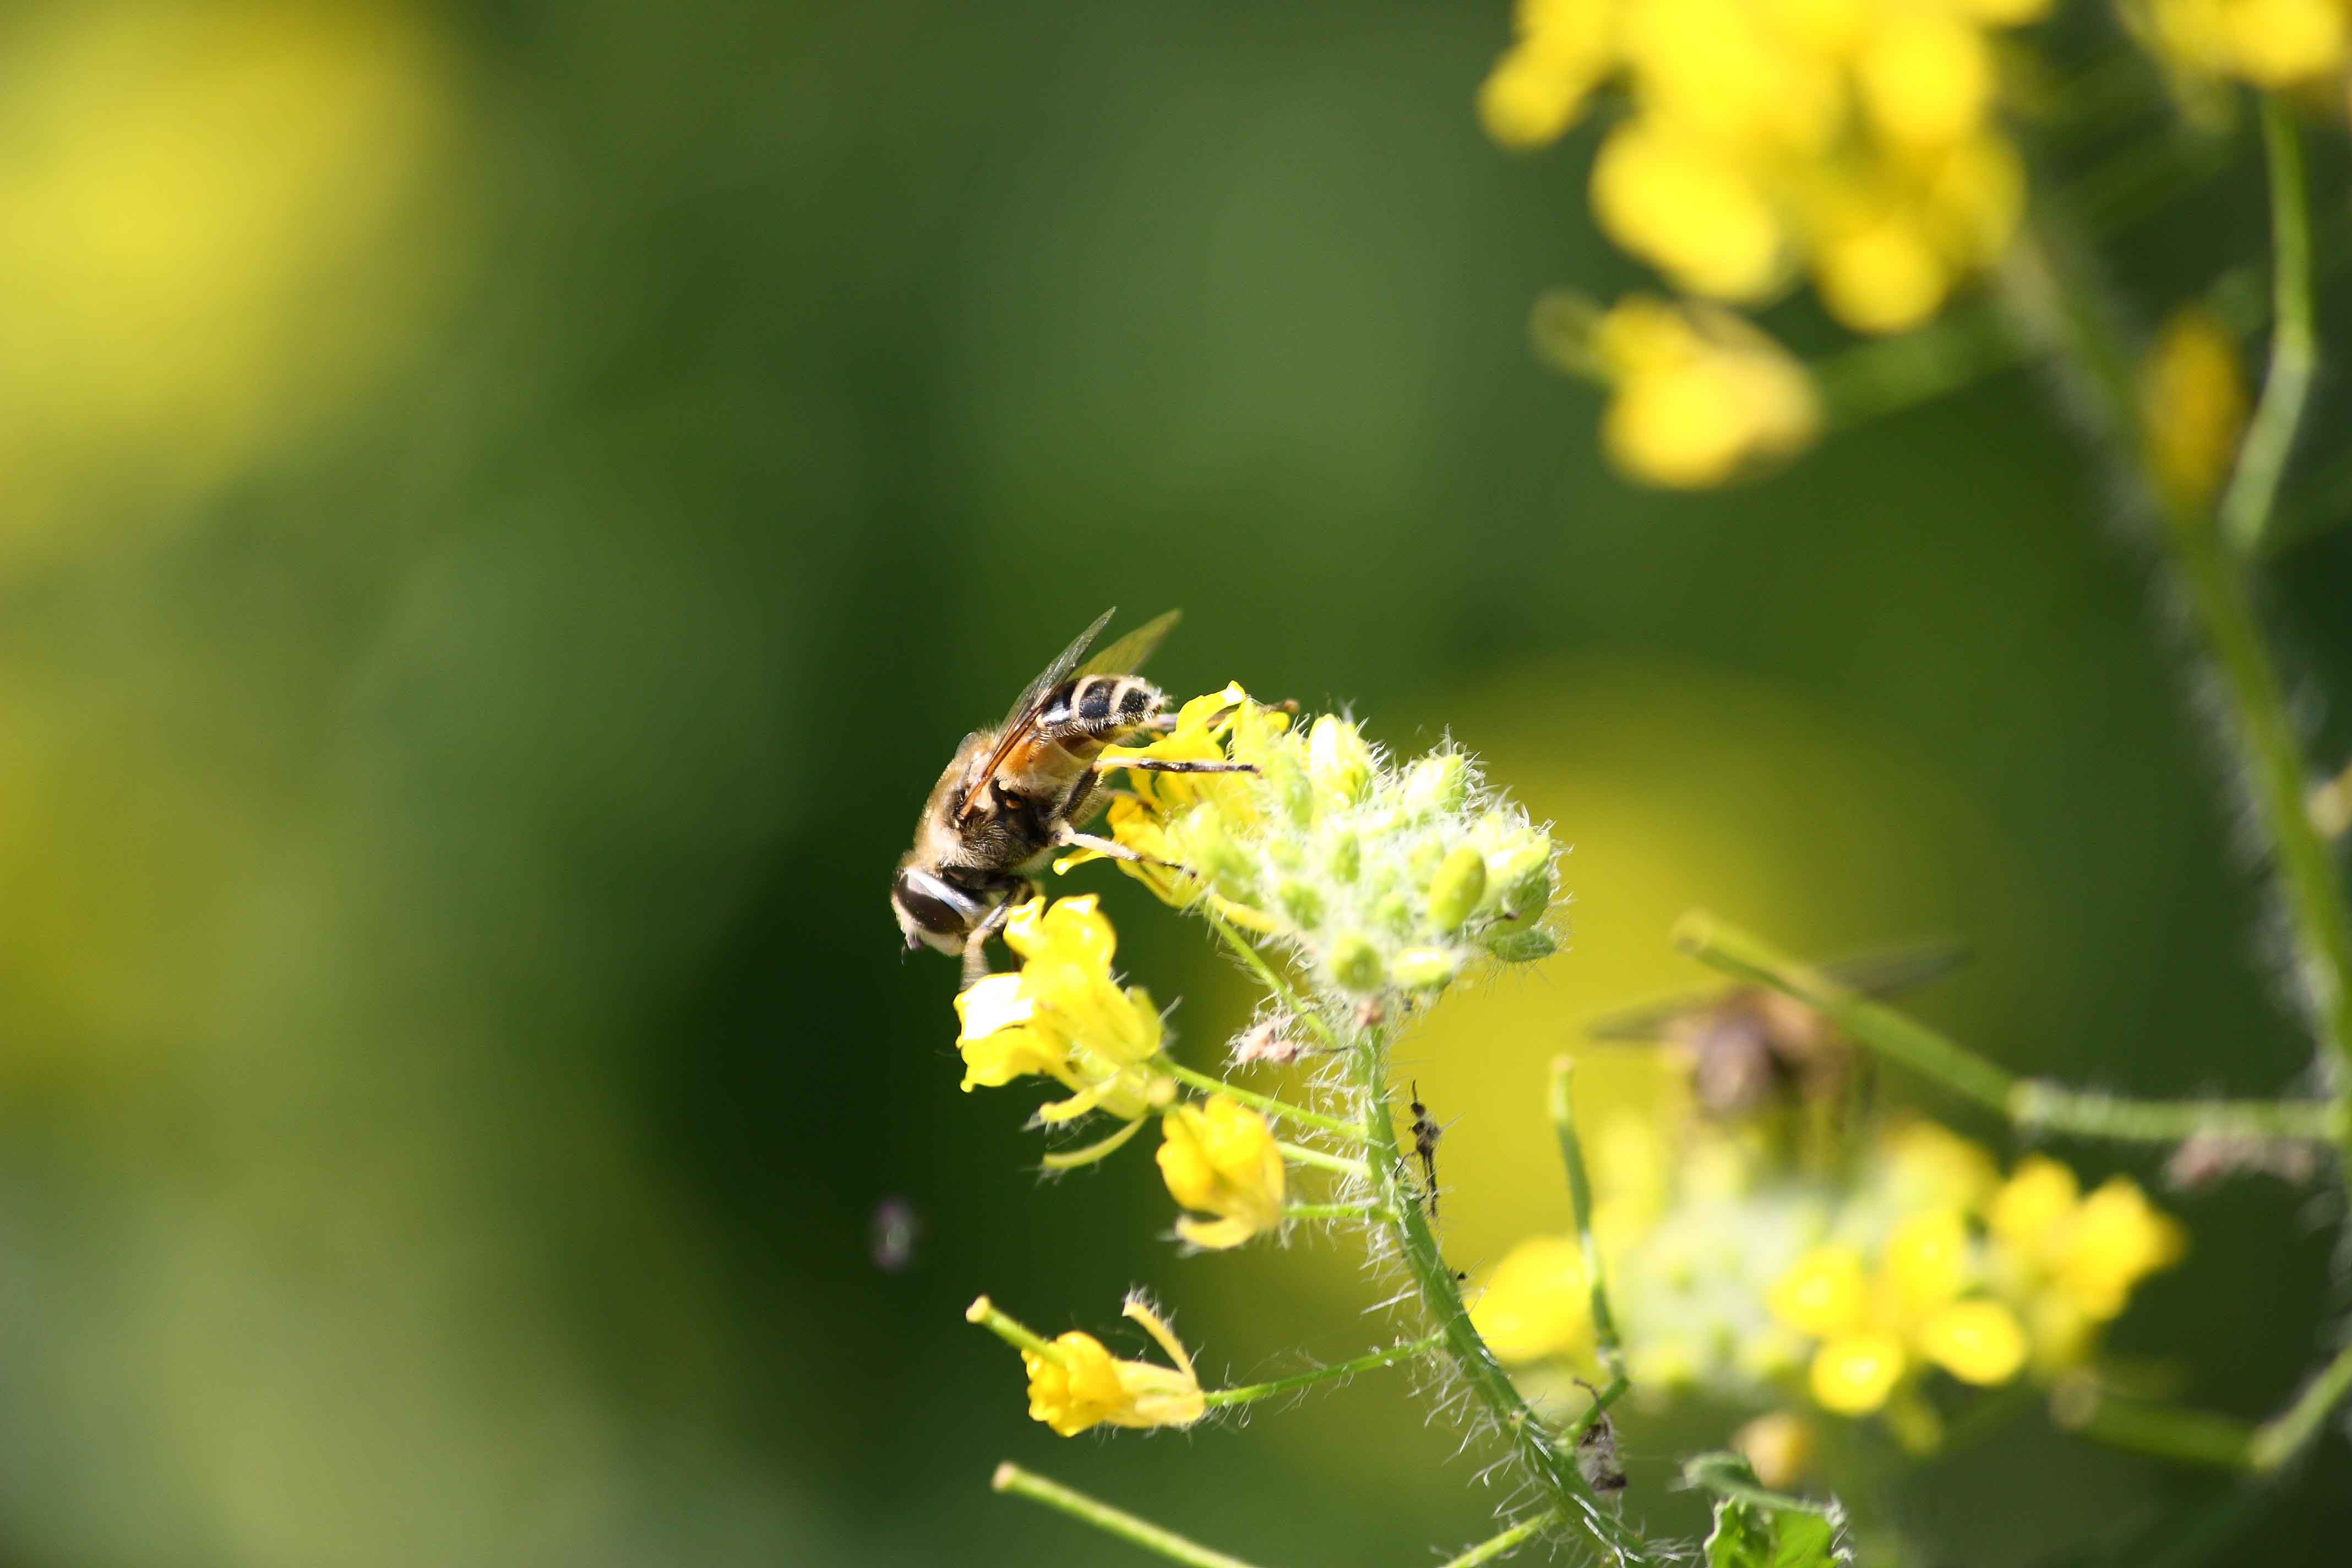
1755,1528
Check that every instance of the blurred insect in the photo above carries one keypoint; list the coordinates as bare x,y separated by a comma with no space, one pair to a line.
1015,794
1596,1449
1751,1049
1425,1134
1271,1039
892,1235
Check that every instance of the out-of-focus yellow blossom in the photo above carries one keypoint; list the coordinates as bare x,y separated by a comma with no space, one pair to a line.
1538,1303
1220,1158
1755,1279
1700,395
1778,1448
2193,405
2271,43
1076,1384
1774,137
1064,1016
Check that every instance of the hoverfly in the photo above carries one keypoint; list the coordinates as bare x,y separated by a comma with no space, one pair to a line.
1015,794
1751,1049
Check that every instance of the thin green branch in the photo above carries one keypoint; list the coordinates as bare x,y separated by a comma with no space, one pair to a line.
1276,980
1915,1045
2040,1106
1336,1211
2283,1435
1265,1102
1013,1478
1338,1164
1502,1545
1248,1393
1579,1199
2160,1431
2247,504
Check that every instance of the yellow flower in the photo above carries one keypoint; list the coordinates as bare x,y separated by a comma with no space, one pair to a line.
1925,76
2032,1210
1934,1167
1064,1016
1854,1376
2074,1261
1538,88
1074,1384
1221,1158
1189,826
2271,43
1927,1258
1701,396
2119,1239
2192,402
1977,1342
1692,208
1539,1304
1824,1294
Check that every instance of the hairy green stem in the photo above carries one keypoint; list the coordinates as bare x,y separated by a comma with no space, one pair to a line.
1371,1206
1248,1393
1339,1164
2040,1106
1579,1200
1550,1462
2159,1431
1502,1545
1010,1478
2247,504
1265,1102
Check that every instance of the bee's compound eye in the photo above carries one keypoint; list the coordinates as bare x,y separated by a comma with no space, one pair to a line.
929,905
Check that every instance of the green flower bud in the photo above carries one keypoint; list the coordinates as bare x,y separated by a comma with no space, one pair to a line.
1454,890
1522,946
1423,968
1355,962
1395,911
1438,782
1347,857
1337,761
1287,779
1302,903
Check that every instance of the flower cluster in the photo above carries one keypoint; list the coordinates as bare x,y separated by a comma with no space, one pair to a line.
1699,394
2271,43
1065,1018
1770,138
1760,1284
1385,878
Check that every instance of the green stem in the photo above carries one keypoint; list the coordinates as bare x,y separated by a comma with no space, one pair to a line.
2246,505
1504,1545
1551,1463
1335,1211
1579,1200
1276,980
1010,1330
1916,1046
1265,1102
2040,1106
1010,1478
2283,1435
1299,1155
2160,1431
1885,376
1388,1357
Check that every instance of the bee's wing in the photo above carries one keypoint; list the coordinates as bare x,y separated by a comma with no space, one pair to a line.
1648,1021
1880,973
1126,656
1894,969
1023,714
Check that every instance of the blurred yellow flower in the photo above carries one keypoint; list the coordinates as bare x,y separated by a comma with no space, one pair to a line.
1771,137
1778,1448
2073,1260
1064,1016
2193,406
1538,1304
1854,1374
1076,1384
2271,43
1220,1158
1700,396
1824,1294
1977,1342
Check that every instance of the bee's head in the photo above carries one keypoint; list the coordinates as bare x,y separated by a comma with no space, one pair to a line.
933,911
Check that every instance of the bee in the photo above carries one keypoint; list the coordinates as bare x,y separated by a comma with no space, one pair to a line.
1015,794
1752,1050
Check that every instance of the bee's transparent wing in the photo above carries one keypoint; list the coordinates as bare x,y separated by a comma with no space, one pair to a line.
1126,656
1023,714
1880,973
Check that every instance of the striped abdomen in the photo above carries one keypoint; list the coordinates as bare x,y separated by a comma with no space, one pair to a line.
1071,726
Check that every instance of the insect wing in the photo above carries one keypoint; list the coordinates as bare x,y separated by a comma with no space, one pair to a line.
1652,1020
1023,713
1126,656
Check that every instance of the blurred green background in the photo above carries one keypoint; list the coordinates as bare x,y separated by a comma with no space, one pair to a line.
504,512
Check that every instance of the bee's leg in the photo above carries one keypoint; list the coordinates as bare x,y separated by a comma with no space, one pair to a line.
1112,849
975,946
1171,766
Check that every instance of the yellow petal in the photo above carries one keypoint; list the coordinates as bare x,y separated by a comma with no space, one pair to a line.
1976,1341
1854,1376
